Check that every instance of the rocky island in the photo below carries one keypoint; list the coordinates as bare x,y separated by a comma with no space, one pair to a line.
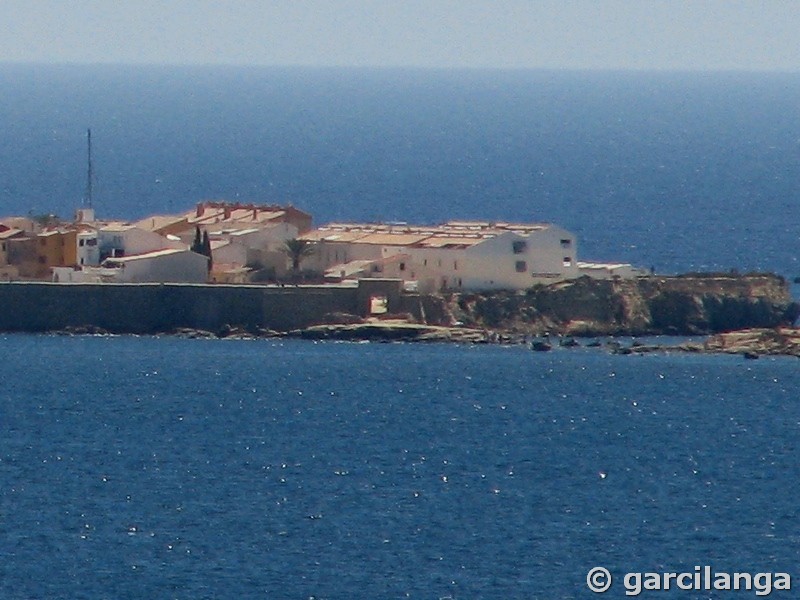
242,270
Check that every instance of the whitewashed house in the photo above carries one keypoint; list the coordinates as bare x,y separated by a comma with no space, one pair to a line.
162,266
123,239
228,253
270,237
88,253
484,257
237,251
457,255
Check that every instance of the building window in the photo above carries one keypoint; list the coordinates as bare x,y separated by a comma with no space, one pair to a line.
567,261
4,246
521,266
455,265
402,266
425,263
81,261
519,247
91,242
566,243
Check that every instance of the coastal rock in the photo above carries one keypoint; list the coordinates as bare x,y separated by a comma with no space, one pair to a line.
680,305
230,332
190,333
777,341
82,330
341,318
384,331
268,333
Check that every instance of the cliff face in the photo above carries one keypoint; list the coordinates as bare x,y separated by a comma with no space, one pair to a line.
682,305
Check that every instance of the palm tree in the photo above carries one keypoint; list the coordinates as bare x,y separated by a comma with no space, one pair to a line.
297,250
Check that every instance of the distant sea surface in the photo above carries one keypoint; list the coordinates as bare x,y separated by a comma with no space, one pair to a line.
676,171
168,468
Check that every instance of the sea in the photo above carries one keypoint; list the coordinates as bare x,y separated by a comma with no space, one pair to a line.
156,467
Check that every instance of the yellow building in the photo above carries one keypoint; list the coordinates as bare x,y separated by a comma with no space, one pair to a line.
35,256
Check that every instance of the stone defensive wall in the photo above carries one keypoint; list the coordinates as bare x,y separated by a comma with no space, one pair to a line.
155,308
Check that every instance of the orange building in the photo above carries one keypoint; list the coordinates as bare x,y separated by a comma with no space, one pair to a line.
35,256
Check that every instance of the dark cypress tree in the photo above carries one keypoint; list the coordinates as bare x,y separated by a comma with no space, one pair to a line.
197,244
206,248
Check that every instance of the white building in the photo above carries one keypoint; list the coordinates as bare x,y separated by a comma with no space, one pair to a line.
163,266
83,275
236,252
88,248
123,239
265,238
84,215
597,270
228,253
257,240
456,256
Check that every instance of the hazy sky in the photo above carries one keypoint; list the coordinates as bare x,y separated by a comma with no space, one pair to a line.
615,34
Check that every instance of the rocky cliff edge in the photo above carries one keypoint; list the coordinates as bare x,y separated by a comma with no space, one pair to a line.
692,304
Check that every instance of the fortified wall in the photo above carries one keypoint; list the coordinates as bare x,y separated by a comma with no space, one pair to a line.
155,308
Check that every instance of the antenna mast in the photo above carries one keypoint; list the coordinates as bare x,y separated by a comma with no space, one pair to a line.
90,171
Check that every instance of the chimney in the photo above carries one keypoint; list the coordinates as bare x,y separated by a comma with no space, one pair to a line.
226,212
200,209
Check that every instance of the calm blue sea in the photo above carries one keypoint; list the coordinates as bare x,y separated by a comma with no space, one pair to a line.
673,170
168,468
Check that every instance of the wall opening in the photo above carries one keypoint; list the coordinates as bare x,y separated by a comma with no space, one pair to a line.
378,305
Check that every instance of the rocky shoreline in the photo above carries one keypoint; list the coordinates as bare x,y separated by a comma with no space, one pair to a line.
749,343
752,315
